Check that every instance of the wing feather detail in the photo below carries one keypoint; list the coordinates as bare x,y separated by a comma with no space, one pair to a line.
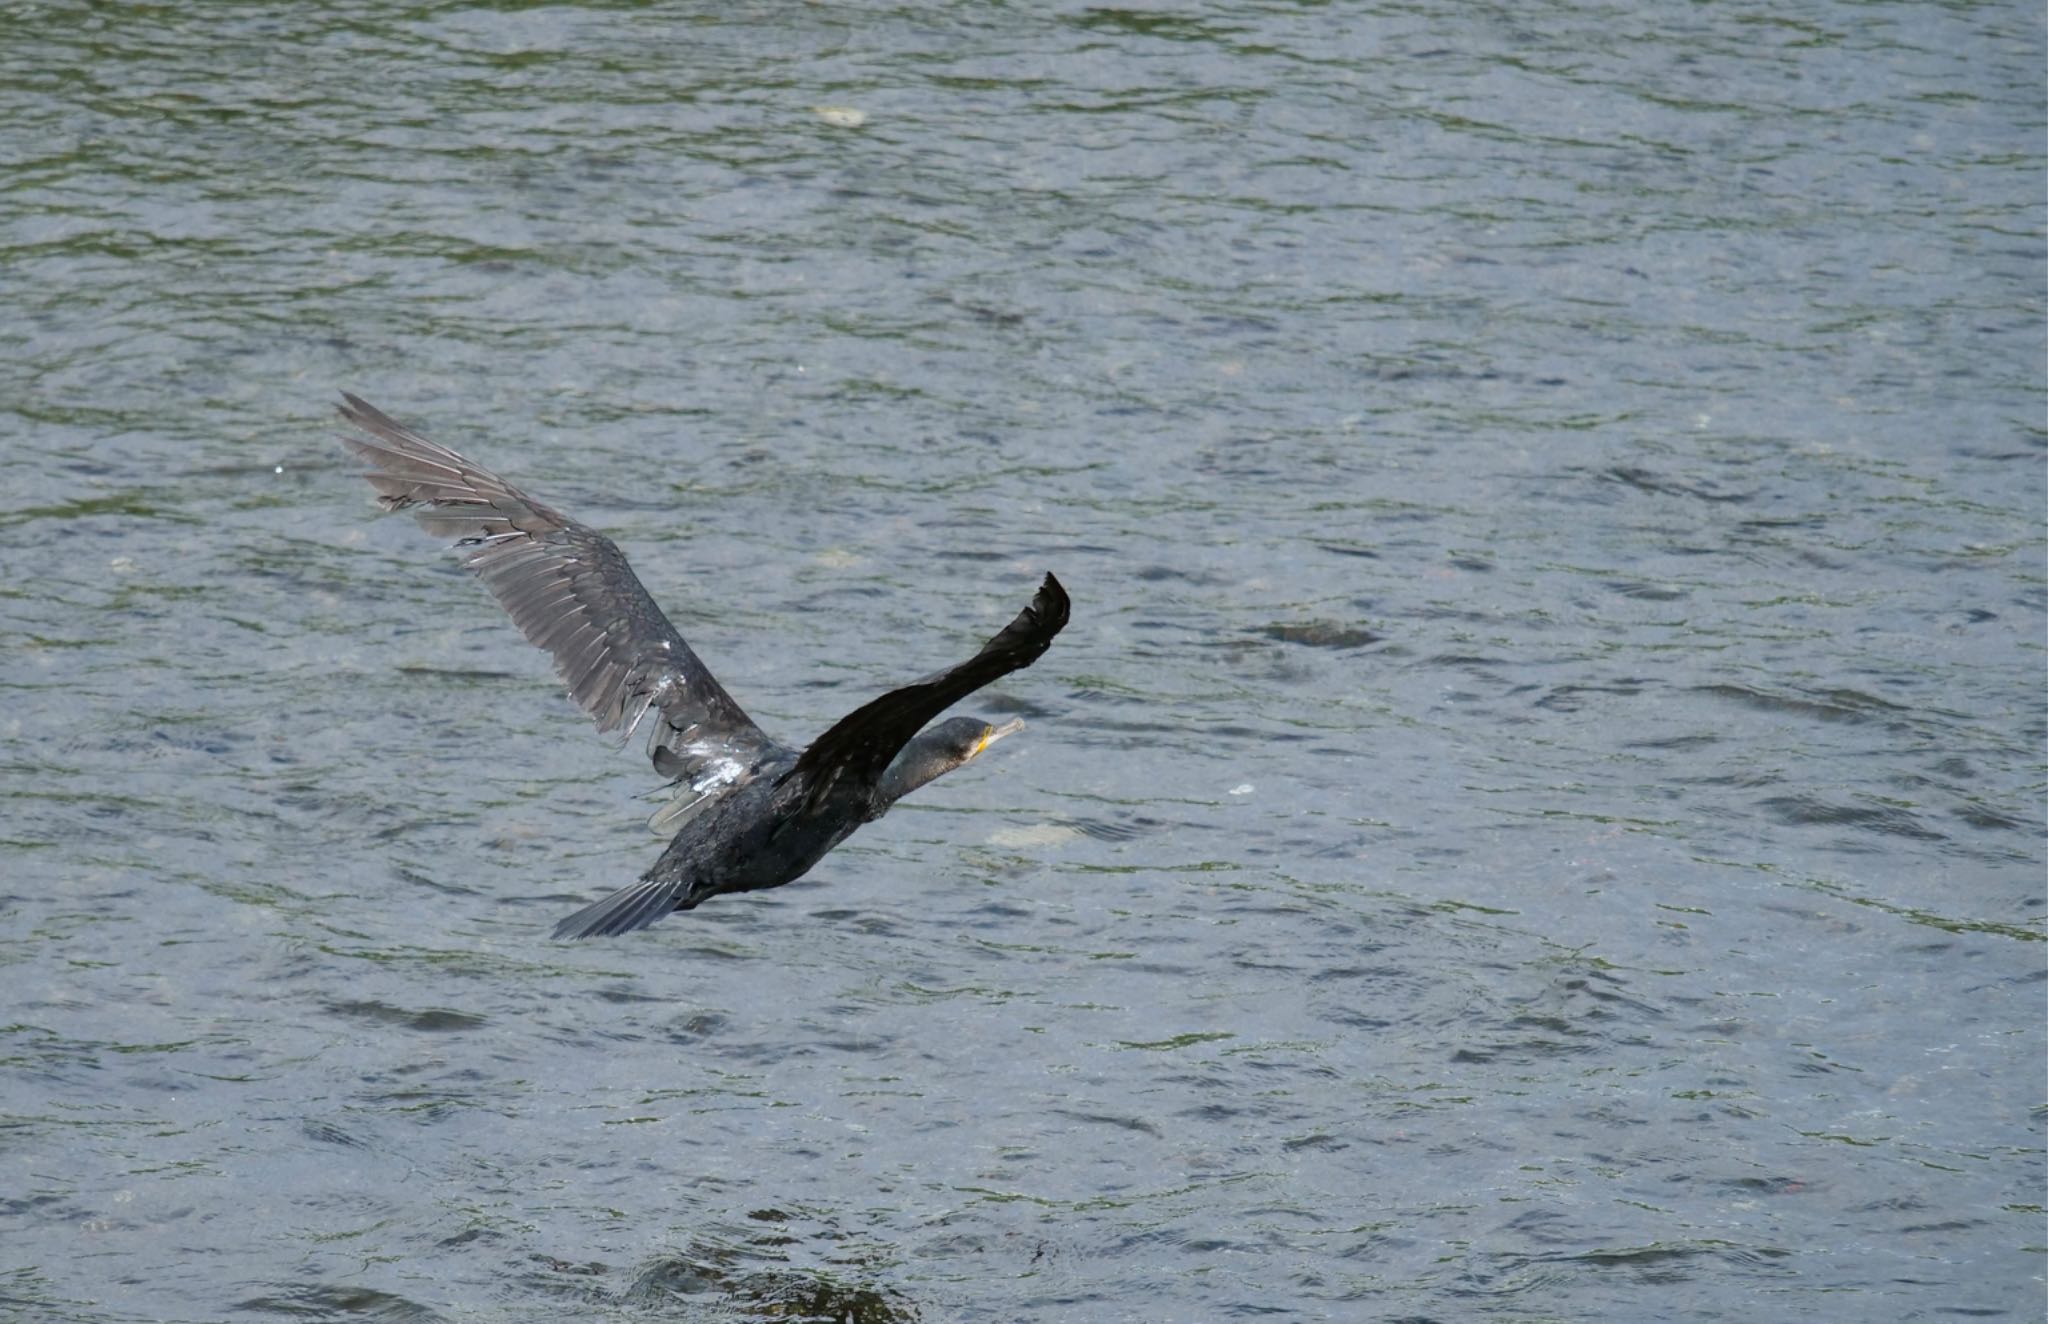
860,745
572,593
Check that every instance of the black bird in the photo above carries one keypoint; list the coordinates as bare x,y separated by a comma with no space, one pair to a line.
750,812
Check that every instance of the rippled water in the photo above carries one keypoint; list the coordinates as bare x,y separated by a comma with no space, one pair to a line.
1538,814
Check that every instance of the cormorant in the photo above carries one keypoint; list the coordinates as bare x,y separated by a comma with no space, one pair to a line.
753,812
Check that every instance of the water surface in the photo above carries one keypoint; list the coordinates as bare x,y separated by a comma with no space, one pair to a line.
1537,816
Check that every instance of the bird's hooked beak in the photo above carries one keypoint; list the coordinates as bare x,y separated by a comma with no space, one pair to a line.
995,733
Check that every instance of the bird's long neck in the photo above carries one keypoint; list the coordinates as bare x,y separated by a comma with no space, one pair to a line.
915,764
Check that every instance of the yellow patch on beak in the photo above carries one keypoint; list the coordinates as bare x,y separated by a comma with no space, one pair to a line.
995,733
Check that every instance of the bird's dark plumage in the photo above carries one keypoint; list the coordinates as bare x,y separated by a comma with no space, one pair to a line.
750,812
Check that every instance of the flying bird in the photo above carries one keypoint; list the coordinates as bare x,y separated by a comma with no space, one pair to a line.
748,812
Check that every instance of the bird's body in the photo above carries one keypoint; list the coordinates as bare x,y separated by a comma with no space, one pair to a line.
749,812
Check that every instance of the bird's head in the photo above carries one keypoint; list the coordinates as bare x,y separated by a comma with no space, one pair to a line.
938,750
964,738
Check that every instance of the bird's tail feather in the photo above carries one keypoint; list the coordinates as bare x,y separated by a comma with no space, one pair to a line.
627,909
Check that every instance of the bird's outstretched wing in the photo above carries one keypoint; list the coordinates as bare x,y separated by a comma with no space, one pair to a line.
860,745
570,591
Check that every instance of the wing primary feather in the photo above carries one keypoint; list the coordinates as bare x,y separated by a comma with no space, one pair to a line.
860,744
566,586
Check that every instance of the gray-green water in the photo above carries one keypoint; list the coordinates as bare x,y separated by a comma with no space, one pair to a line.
1538,814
